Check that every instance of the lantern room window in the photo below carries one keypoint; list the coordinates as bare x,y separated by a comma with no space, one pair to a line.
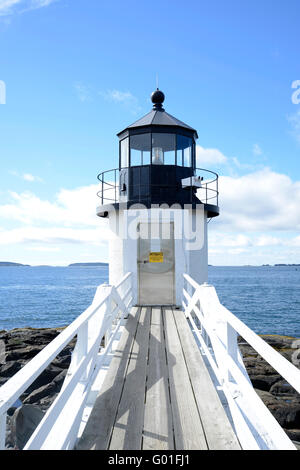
124,153
157,148
140,149
184,151
163,149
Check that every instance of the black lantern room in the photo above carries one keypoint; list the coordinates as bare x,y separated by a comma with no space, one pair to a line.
157,163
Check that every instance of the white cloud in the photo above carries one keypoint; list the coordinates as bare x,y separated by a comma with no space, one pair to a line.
259,220
267,240
31,178
53,236
6,6
70,208
54,226
27,177
259,201
212,157
44,249
118,96
41,3
125,98
237,249
209,156
10,7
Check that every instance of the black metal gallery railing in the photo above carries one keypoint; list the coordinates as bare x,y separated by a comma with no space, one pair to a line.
208,193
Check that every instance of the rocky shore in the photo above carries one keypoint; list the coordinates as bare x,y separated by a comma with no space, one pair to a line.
18,346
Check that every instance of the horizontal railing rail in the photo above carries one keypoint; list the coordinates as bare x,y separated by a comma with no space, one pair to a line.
96,329
109,186
217,330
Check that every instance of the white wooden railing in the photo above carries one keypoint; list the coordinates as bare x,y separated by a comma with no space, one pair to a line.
217,329
96,329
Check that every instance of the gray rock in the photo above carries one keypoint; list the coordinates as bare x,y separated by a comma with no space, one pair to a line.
10,368
44,378
267,397
282,388
23,353
22,425
59,379
264,382
42,392
287,415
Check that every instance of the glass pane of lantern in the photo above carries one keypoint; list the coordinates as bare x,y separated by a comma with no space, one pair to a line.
188,155
140,146
124,153
179,157
163,149
184,150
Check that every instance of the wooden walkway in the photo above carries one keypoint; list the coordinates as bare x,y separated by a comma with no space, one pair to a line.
157,393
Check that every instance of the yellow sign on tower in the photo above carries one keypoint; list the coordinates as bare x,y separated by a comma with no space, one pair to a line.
156,257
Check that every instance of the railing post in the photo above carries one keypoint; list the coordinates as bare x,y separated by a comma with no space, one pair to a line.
109,329
2,431
80,350
232,347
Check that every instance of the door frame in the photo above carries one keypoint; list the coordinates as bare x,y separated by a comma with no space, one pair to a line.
173,287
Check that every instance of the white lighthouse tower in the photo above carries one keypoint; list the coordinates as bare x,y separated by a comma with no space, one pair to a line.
158,204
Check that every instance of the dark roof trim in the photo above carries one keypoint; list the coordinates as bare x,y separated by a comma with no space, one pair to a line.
159,117
154,128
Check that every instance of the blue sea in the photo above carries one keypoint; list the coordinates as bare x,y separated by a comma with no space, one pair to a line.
266,298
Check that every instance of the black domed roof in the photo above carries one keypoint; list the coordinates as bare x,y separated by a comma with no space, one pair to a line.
159,117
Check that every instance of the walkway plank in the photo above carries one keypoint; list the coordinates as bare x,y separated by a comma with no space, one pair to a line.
188,431
218,431
158,394
158,433
128,428
96,435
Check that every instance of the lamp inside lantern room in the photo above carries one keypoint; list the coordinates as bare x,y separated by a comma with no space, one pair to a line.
157,156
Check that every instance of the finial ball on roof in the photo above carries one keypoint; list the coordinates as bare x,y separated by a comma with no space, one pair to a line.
157,97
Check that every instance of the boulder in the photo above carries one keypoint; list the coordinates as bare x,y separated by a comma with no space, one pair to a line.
282,388
23,423
44,378
264,382
9,369
23,353
42,392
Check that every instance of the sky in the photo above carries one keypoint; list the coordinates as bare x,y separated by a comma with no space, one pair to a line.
75,73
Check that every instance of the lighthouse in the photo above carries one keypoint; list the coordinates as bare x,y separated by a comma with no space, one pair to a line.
158,205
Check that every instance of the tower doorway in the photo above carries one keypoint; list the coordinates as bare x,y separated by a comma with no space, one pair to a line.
156,263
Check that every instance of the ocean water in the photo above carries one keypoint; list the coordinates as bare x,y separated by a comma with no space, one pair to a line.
267,299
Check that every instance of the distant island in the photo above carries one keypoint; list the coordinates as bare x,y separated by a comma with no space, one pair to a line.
7,263
88,264
286,264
